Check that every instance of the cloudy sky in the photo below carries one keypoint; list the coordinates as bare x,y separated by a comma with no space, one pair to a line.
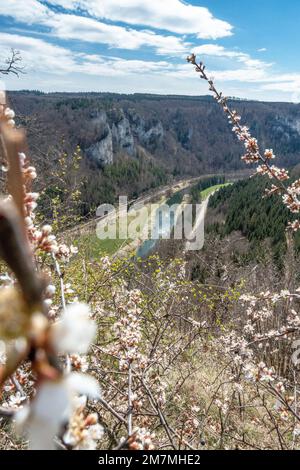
250,48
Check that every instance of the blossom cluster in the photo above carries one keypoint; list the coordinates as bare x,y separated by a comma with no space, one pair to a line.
141,439
84,430
127,330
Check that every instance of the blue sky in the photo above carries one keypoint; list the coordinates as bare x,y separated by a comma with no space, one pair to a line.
250,48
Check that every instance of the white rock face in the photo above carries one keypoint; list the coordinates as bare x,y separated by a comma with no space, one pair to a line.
148,134
102,150
116,132
152,136
122,136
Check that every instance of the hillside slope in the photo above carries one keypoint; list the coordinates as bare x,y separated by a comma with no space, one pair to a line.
132,143
186,134
242,208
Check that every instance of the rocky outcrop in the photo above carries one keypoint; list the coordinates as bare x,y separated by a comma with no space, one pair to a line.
101,150
149,133
122,135
115,132
152,135
181,135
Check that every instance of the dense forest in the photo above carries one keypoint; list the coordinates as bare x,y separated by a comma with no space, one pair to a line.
240,207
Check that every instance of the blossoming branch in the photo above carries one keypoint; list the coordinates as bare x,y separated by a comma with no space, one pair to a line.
25,315
290,194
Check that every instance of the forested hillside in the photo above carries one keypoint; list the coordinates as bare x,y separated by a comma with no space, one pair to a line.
185,134
130,143
240,207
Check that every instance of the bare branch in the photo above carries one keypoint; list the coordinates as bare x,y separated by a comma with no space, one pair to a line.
12,64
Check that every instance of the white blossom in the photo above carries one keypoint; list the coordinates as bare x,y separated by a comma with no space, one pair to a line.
52,408
75,330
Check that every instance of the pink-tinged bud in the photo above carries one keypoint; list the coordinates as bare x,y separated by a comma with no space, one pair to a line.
2,98
91,419
50,290
22,158
9,113
32,205
46,229
33,196
30,172
38,235
269,155
28,222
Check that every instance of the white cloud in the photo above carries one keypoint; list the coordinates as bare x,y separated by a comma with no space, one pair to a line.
42,56
220,51
50,66
214,50
284,83
27,11
68,26
114,66
262,49
87,29
171,15
289,87
53,68
239,75
39,55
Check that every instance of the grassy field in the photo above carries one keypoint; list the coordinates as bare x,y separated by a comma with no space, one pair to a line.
206,192
95,248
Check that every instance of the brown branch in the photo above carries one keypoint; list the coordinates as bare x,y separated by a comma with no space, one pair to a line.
7,413
13,143
15,251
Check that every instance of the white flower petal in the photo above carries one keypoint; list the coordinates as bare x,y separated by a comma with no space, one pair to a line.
52,407
41,435
75,331
49,409
84,385
20,418
39,432
69,439
96,432
52,402
79,402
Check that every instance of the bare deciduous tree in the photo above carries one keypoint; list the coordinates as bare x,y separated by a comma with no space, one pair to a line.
12,64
